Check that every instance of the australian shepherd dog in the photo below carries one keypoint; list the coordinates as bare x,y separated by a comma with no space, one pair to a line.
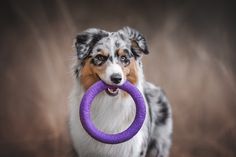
115,57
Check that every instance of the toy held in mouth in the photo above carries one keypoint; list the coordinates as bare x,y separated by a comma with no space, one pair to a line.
132,130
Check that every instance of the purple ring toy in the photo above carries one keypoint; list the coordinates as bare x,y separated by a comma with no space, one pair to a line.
112,138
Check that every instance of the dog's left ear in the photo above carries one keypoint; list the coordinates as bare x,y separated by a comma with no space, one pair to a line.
138,42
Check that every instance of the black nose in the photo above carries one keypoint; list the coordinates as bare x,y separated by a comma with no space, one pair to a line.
116,78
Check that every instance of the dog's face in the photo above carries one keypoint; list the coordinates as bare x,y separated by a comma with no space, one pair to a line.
109,56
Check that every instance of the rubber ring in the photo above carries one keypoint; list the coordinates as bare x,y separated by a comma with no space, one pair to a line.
131,131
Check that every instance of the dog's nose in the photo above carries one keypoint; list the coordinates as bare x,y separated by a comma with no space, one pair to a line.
116,78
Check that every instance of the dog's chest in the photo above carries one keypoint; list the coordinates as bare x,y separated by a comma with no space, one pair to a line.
111,115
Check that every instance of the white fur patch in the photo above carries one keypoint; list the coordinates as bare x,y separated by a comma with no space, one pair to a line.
112,68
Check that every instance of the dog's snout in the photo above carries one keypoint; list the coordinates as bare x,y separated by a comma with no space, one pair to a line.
116,78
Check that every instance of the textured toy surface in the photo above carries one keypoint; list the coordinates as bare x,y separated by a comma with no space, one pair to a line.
112,138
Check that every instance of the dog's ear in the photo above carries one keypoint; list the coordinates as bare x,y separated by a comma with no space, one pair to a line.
86,40
138,42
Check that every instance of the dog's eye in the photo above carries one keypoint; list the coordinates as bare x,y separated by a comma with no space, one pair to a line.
124,60
99,59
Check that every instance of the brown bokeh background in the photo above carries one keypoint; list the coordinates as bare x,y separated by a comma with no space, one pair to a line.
192,56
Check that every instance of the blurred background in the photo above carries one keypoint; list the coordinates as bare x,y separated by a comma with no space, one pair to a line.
192,57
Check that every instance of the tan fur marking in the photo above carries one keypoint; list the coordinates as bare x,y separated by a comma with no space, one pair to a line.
131,73
132,76
131,70
87,77
90,74
121,52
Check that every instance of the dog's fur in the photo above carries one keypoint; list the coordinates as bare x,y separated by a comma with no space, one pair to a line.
100,54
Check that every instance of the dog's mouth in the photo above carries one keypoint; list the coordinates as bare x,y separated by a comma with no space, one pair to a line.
112,91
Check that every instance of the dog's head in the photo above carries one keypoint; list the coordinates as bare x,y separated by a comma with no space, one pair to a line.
113,57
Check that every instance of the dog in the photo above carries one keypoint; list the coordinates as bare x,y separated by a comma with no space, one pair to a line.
115,57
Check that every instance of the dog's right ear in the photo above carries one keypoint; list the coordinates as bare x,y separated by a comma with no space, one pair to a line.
138,42
86,40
